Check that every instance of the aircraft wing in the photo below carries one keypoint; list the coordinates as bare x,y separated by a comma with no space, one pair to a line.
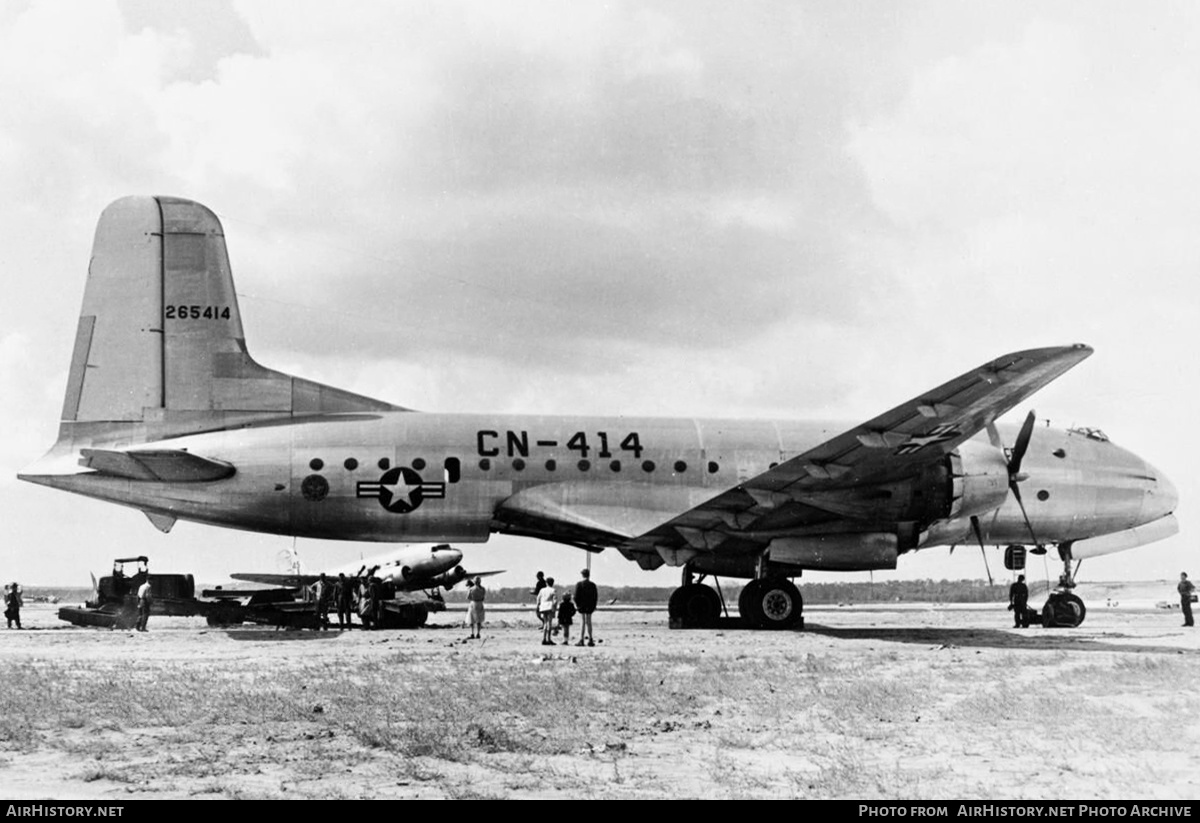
841,475
290,581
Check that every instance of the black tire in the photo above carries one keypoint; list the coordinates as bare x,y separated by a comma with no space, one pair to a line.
1065,610
745,604
774,603
695,605
1075,610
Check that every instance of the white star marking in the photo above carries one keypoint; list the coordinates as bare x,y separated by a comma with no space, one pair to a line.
401,490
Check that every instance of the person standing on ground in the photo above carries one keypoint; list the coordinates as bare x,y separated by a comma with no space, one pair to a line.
13,604
547,600
343,598
324,594
586,598
1185,587
476,594
1018,601
566,614
144,598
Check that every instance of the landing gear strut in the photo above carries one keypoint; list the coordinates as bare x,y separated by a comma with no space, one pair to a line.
1064,608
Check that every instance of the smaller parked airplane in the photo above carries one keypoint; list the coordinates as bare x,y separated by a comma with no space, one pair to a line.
409,569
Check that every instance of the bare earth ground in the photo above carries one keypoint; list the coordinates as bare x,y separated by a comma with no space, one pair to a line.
885,702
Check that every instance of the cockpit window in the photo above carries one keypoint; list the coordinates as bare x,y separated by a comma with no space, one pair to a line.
1090,434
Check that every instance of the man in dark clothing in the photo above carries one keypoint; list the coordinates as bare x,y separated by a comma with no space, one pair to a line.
1185,587
586,598
324,594
343,598
1018,601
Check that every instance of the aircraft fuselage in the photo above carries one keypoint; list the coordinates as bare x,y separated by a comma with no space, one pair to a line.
410,477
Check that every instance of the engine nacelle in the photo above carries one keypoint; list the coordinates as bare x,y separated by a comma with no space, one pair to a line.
979,479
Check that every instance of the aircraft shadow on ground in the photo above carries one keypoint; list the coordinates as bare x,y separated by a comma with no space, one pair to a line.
1034,638
278,635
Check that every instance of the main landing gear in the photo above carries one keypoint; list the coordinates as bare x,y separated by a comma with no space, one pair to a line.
765,603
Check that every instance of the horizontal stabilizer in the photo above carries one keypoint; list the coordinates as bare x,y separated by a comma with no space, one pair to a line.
161,465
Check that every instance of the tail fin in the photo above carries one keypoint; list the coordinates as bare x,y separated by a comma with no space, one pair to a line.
160,350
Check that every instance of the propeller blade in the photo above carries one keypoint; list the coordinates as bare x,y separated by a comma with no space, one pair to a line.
1012,485
1018,452
979,536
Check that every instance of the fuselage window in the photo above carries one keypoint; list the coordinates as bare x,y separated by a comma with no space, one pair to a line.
551,465
713,468
418,463
615,465
316,464
351,464
384,463
584,465
485,464
1043,495
518,464
680,466
452,469
648,466
1060,453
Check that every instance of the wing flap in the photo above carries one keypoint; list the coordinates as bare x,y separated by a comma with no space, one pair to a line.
623,510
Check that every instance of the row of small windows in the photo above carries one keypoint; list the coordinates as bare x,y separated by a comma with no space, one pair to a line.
518,464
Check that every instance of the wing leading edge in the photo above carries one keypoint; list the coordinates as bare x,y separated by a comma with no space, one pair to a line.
847,474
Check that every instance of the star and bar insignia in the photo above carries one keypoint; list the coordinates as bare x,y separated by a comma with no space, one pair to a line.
400,490
938,434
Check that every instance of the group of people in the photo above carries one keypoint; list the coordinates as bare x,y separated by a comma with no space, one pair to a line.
347,596
553,610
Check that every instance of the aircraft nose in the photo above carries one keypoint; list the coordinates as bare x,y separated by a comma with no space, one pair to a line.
448,554
1161,496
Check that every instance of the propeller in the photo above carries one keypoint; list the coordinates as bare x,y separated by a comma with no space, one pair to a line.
1014,469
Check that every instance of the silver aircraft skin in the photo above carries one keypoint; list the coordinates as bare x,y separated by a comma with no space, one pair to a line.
166,412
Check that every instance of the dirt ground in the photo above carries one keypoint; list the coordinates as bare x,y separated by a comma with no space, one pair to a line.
870,701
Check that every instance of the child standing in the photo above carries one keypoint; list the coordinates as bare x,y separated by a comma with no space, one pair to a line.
566,611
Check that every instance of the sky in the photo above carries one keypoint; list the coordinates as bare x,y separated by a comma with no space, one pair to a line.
763,210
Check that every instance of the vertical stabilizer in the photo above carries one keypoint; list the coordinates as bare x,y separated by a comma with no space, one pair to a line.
159,350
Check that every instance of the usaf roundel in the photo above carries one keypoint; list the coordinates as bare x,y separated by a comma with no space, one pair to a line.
400,490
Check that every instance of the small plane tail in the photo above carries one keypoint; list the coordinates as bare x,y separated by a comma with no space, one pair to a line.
160,350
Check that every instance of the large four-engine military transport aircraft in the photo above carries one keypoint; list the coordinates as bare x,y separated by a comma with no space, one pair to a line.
167,412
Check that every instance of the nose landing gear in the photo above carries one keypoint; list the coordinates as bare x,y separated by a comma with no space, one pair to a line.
1063,608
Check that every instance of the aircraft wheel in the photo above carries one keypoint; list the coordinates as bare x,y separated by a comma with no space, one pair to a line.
695,604
745,601
1074,610
773,603
1065,610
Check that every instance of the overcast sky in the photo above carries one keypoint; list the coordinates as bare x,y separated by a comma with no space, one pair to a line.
755,209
